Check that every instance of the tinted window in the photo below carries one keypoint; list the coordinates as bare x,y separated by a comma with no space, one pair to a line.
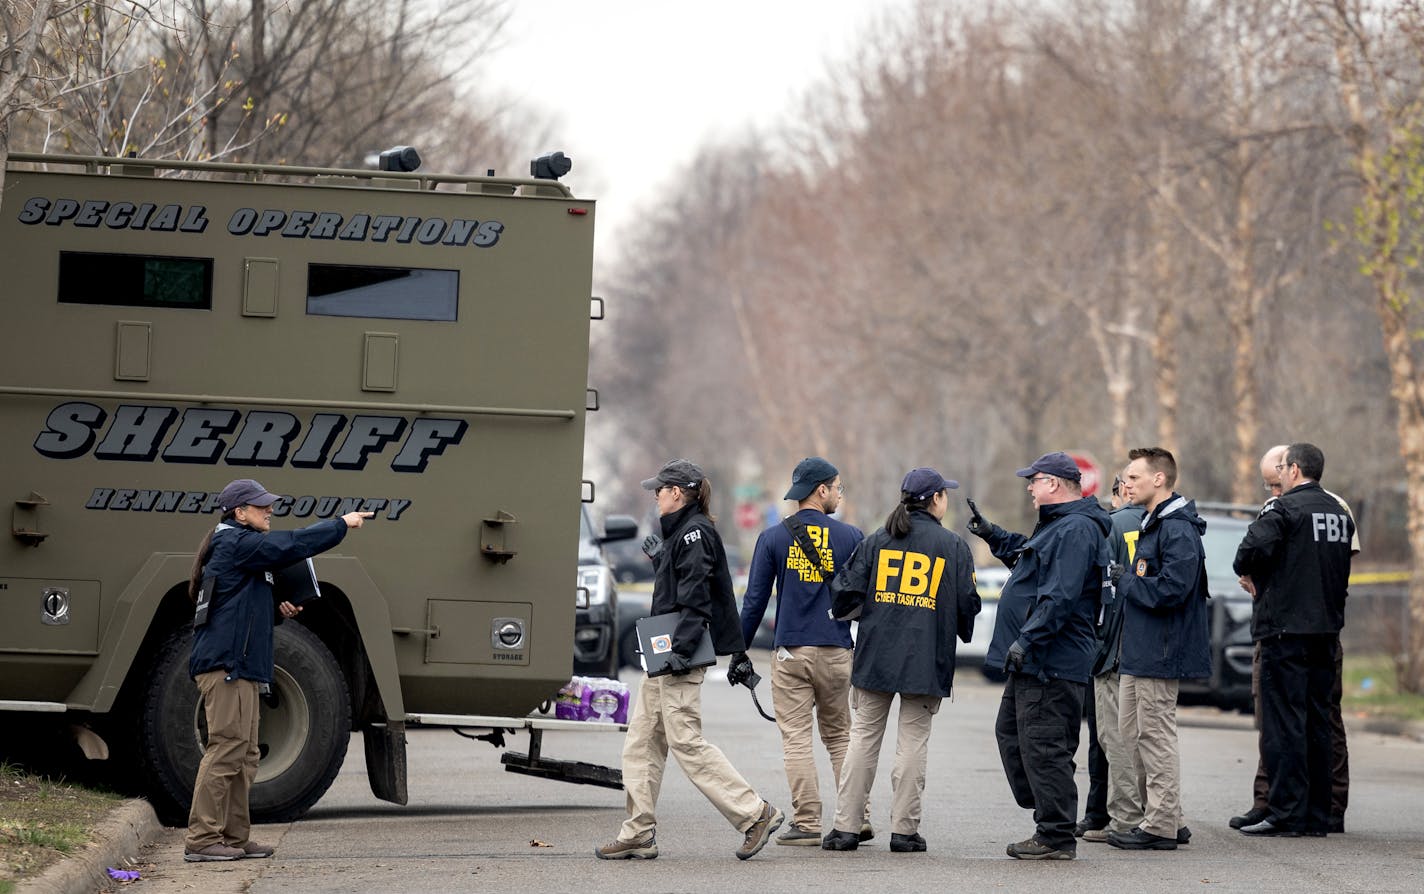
391,293
135,280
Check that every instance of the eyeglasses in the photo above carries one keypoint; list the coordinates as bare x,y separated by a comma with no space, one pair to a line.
1037,478
1281,467
838,488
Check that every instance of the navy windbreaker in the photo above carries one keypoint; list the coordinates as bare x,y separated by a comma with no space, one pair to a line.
1165,617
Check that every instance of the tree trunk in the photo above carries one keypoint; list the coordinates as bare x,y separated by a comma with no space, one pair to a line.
1243,373
1164,333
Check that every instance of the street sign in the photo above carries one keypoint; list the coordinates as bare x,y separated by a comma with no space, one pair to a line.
1092,477
747,516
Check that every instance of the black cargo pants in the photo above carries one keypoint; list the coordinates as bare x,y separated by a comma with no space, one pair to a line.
1297,675
1037,730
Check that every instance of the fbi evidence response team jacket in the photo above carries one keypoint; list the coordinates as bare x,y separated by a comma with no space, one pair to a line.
690,577
914,595
1305,595
1165,626
803,599
238,635
1051,598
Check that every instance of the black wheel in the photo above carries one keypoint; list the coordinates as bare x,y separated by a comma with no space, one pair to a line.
628,647
303,730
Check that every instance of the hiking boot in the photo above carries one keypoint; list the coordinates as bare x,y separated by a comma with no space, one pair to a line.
618,849
907,844
769,821
1098,835
1140,839
795,835
1086,826
1034,849
1249,818
254,851
212,853
836,840
867,832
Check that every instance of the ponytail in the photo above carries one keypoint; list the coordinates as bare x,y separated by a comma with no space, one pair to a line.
703,496
205,552
897,524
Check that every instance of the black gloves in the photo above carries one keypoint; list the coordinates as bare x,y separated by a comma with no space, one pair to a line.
979,526
652,545
1114,572
740,669
1014,661
677,665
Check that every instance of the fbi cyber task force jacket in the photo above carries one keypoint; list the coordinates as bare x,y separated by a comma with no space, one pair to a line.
1298,554
690,577
1165,623
914,595
238,634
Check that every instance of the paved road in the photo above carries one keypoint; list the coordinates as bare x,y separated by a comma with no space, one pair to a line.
470,826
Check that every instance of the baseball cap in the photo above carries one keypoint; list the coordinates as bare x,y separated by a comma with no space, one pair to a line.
1058,464
809,473
923,482
679,472
244,492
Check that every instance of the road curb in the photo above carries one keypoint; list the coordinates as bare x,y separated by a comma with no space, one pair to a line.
116,841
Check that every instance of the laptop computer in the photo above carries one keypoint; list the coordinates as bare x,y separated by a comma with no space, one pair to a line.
655,641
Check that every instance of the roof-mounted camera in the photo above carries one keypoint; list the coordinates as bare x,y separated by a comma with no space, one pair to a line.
550,166
403,159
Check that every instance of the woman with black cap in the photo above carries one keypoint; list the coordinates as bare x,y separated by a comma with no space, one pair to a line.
911,585
232,655
690,579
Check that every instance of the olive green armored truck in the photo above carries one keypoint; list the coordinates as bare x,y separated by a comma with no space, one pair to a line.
409,344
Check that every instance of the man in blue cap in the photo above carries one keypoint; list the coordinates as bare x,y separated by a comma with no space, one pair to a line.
1044,638
810,681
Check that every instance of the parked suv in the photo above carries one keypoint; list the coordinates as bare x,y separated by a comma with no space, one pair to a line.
1229,685
596,618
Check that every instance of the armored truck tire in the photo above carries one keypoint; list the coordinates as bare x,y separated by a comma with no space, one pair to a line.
303,731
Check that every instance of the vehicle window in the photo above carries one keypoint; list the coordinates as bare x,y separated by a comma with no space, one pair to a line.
135,280
390,293
1220,541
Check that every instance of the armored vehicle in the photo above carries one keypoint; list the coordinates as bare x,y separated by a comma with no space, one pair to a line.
409,344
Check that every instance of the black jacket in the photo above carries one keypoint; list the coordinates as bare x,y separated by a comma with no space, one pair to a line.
1122,544
1165,624
914,595
238,634
1298,554
1050,601
690,577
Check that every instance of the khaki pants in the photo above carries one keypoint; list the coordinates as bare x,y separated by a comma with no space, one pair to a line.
1124,806
1147,711
219,814
668,717
810,685
907,780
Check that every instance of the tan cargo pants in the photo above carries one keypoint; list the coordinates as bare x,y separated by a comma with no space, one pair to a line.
667,716
810,685
1124,808
220,814
1147,711
907,780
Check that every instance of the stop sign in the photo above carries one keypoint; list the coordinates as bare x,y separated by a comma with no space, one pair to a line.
747,516
1089,467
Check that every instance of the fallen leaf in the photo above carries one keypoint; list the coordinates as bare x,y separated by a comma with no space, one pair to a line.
534,842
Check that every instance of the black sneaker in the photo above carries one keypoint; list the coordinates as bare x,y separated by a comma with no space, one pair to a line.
867,832
1034,849
836,840
1249,818
1140,840
1085,826
907,844
1269,828
1184,835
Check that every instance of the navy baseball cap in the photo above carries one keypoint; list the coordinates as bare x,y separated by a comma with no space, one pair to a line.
678,472
244,492
1058,464
924,482
810,472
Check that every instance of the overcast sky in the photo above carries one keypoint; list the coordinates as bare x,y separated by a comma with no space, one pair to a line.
637,85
